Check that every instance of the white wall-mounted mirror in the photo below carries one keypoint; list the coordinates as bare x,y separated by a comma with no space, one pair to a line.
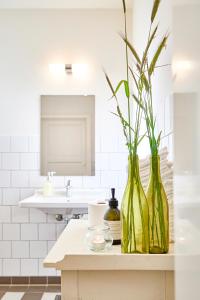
68,135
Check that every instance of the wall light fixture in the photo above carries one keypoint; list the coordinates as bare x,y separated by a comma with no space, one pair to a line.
77,70
181,66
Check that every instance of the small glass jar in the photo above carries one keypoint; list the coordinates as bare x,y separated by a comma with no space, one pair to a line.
99,238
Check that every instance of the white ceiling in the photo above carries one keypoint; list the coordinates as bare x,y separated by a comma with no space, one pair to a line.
185,2
76,4
69,4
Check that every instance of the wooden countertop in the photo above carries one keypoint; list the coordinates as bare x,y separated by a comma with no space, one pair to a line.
71,253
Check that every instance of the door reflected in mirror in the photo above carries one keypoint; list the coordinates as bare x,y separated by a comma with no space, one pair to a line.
68,135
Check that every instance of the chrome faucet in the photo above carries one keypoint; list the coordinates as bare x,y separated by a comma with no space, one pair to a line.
68,188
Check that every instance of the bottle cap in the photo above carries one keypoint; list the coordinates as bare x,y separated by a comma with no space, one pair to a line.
113,201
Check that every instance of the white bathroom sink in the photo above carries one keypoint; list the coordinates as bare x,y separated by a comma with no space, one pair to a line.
59,203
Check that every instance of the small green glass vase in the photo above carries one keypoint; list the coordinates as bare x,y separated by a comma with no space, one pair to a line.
158,210
134,213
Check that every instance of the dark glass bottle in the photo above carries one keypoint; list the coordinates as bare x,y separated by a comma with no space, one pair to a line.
112,219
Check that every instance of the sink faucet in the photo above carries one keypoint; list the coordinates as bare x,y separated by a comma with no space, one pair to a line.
68,188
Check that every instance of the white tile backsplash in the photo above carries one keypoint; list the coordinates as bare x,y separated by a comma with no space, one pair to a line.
26,235
122,147
29,232
29,161
25,193
5,214
35,180
4,178
20,249
10,196
5,249
38,249
4,143
102,161
11,267
1,232
122,179
109,179
50,245
19,143
11,232
34,144
58,181
47,232
92,181
10,161
108,144
1,196
20,215
59,229
29,267
20,179
118,161
37,216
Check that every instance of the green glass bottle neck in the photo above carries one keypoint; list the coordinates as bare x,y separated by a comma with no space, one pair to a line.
133,166
134,170
155,165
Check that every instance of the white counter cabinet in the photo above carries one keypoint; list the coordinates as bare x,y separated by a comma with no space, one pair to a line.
108,276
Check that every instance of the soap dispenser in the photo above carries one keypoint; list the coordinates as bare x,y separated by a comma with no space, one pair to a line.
48,185
112,219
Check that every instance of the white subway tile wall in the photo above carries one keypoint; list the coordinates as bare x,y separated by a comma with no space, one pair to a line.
29,267
11,232
29,161
47,232
5,144
38,249
20,215
37,216
5,179
1,268
10,161
19,144
11,267
19,179
29,232
5,216
5,249
10,196
26,235
20,249
50,245
1,231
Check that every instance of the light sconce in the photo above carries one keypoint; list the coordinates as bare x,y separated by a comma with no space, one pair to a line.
68,69
182,66
57,69
77,70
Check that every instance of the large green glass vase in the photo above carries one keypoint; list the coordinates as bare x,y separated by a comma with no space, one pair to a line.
158,210
134,213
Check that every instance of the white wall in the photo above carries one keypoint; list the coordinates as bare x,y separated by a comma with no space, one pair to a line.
186,27
162,84
186,81
30,40
187,47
